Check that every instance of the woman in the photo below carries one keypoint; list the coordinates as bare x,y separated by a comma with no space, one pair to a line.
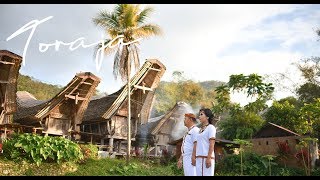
204,156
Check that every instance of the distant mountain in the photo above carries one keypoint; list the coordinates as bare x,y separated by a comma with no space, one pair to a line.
209,85
40,90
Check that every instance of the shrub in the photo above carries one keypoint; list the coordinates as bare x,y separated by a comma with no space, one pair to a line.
89,151
36,148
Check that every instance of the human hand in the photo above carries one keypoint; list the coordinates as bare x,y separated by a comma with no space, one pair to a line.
208,162
179,164
193,160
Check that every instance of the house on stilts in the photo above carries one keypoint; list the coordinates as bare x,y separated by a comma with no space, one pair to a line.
61,115
105,120
10,64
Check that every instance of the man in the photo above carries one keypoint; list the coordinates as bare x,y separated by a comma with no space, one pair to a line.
188,148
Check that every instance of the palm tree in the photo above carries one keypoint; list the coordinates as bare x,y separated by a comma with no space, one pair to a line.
130,21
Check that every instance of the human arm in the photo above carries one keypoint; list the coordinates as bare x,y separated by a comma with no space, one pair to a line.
193,158
211,149
179,164
212,139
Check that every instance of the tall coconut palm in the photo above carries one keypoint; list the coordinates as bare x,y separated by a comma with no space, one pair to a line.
130,21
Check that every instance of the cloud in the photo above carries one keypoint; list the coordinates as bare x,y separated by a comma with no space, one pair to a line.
198,39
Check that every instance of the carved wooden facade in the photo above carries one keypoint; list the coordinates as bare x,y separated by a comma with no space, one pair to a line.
63,114
10,64
105,121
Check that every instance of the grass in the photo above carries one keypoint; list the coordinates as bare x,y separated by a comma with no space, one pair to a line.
91,167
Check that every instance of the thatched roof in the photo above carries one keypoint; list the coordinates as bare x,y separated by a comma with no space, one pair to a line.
10,64
26,99
148,76
97,107
176,113
274,130
80,88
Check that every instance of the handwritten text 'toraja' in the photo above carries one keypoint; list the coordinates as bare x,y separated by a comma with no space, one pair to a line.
72,45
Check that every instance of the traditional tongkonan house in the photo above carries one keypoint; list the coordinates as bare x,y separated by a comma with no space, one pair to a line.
62,114
105,121
159,131
10,64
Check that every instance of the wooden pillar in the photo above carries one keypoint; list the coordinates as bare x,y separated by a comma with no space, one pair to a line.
111,145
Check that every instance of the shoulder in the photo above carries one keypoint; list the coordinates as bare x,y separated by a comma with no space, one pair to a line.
212,127
195,130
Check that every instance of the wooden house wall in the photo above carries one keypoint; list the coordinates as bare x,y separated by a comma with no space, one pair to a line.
269,146
121,127
9,70
60,118
266,146
162,139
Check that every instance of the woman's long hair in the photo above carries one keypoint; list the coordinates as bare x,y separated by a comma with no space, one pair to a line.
209,114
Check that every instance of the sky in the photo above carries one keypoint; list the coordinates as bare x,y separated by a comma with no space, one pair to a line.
205,41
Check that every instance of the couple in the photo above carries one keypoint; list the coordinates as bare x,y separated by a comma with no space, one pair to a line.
197,150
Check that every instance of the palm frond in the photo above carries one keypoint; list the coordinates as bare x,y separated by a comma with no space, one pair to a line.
144,14
106,20
113,33
116,63
147,30
107,51
119,9
127,20
124,65
129,17
135,56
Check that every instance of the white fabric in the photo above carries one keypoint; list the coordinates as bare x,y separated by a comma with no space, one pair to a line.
202,149
188,141
188,168
186,151
201,169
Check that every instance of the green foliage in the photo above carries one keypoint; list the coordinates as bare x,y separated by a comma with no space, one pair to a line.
89,151
40,90
253,84
285,114
254,165
38,149
124,170
308,91
310,69
119,167
182,89
241,124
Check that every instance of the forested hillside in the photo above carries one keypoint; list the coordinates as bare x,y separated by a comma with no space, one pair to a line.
197,94
42,91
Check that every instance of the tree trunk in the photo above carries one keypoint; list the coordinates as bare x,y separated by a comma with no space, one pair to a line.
129,116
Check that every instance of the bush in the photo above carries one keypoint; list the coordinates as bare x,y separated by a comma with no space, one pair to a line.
36,148
89,151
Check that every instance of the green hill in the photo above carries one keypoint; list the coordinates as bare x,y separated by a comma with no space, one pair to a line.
209,85
42,91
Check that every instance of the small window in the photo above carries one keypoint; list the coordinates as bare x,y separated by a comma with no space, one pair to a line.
259,143
267,143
